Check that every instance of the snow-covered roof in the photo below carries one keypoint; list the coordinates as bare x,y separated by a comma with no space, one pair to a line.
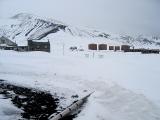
3,45
22,43
42,40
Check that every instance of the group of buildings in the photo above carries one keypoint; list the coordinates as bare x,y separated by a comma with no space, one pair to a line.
35,45
108,47
124,48
32,45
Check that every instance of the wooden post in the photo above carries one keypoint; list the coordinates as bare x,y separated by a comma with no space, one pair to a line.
93,54
69,109
63,49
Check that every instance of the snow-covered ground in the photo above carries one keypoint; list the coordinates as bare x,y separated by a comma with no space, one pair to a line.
7,110
125,85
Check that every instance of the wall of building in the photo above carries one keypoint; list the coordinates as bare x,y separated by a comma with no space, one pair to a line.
38,46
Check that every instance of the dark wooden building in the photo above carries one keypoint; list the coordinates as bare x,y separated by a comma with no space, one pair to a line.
135,50
150,51
102,46
9,48
92,46
111,47
7,44
38,46
125,48
117,48
144,51
22,48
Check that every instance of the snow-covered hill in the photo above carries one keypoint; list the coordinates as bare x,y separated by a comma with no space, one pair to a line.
33,27
23,27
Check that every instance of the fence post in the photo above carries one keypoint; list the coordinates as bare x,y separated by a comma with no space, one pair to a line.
63,49
93,54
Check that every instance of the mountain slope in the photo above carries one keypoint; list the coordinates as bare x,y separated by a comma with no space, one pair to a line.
31,27
27,26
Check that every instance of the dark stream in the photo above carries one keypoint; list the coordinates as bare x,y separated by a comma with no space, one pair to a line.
35,104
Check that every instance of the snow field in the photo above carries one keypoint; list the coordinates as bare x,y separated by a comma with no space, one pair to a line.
126,85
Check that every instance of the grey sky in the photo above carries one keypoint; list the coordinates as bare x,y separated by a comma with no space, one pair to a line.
117,16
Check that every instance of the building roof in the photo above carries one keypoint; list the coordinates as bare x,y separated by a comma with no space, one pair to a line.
5,40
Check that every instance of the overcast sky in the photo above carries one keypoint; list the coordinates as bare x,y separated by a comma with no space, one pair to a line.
116,16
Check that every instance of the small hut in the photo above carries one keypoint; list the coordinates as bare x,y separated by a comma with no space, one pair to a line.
92,46
125,48
117,48
111,47
102,46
